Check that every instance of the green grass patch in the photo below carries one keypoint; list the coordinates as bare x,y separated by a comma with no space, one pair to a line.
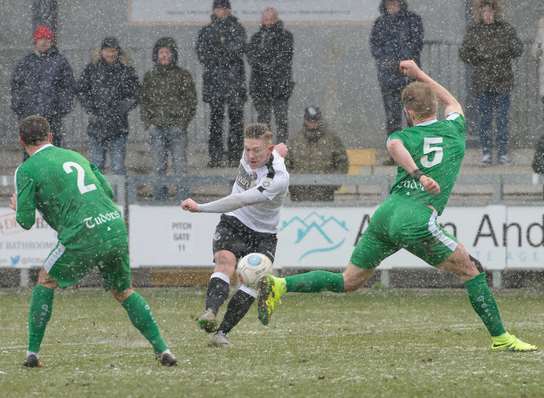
376,343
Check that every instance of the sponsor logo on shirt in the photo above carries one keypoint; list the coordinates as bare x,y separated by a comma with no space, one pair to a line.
91,222
412,184
244,179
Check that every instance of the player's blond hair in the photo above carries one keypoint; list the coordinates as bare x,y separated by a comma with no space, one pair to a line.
419,98
33,129
259,131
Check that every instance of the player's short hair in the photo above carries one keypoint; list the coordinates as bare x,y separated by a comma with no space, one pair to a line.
419,98
259,131
33,129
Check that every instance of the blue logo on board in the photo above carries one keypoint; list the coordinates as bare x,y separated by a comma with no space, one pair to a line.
316,233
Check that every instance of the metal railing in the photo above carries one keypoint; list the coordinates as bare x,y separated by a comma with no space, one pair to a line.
126,189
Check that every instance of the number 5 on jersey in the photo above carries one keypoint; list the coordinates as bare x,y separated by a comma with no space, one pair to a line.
431,146
71,166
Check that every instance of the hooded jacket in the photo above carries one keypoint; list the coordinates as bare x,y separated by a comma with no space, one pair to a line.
394,38
42,84
168,91
270,54
220,49
108,92
317,151
490,49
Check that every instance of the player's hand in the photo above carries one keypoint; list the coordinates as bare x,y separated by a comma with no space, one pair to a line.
190,205
281,148
430,185
409,68
13,202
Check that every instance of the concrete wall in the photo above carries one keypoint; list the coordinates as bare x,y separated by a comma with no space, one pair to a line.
332,68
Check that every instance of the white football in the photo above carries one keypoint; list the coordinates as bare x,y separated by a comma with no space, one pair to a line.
253,267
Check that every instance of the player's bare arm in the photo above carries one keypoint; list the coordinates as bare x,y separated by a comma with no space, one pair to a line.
400,154
281,149
451,105
190,205
13,202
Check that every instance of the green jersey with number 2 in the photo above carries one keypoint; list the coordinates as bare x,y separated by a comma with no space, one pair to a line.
438,148
73,197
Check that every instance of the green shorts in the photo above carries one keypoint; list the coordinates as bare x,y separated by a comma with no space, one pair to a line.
68,266
402,223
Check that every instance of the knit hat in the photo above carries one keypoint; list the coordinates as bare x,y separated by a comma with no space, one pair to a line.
312,114
221,4
43,32
110,42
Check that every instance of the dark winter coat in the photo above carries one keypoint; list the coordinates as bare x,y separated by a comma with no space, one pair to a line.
107,93
316,152
490,49
395,38
43,84
168,92
220,49
270,55
538,160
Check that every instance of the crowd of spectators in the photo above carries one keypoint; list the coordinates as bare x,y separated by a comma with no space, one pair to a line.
109,88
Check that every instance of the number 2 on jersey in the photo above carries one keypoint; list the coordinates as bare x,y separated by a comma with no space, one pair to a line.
71,166
429,149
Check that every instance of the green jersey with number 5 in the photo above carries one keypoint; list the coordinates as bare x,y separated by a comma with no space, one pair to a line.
73,197
438,148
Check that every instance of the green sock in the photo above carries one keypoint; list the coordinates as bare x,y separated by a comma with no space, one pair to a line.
315,281
39,313
484,304
141,317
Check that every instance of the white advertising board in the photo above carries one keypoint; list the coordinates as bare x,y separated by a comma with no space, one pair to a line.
499,236
197,12
20,248
310,237
523,234
168,236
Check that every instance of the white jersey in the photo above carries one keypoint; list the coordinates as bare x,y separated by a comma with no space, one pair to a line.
272,181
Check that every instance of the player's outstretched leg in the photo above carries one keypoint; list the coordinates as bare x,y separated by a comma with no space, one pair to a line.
270,289
238,306
139,313
482,300
216,294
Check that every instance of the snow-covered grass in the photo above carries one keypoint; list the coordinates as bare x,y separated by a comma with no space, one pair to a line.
391,343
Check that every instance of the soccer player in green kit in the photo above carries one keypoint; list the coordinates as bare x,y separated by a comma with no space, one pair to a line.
429,154
76,201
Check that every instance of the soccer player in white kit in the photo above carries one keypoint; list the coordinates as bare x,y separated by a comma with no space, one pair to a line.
249,224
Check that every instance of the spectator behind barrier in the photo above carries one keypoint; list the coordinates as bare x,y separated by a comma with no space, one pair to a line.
108,89
538,53
168,105
220,49
396,35
270,55
489,45
43,84
315,150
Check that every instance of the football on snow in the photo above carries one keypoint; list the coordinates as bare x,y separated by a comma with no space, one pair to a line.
253,267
